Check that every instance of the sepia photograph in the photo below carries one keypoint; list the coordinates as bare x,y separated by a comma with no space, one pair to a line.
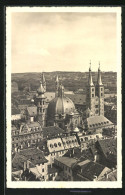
63,92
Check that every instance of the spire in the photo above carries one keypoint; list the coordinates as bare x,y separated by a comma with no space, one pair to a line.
57,79
99,80
90,82
43,80
41,89
61,91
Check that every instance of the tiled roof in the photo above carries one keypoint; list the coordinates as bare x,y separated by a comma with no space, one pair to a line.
111,176
32,111
66,161
52,131
91,169
55,145
109,147
97,121
33,124
34,155
18,162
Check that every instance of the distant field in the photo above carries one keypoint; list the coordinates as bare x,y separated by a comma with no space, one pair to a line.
71,80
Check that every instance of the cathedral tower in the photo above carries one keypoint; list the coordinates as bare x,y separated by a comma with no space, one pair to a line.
100,93
90,98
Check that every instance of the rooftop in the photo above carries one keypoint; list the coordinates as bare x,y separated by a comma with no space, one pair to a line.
66,161
97,121
91,169
52,131
34,155
109,147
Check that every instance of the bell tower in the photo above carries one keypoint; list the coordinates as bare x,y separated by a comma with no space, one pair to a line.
41,104
90,98
100,93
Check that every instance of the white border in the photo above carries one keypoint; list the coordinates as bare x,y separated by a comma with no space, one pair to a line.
49,184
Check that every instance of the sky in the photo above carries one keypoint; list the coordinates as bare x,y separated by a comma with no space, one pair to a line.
66,41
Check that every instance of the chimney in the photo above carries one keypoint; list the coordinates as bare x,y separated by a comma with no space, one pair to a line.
24,166
31,119
21,146
95,157
15,149
28,144
27,164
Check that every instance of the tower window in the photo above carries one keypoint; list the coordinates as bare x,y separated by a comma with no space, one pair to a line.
96,106
92,95
101,89
101,94
92,89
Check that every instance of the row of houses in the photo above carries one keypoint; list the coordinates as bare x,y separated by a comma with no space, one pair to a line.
97,163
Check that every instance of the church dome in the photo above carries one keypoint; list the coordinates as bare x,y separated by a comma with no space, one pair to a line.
60,105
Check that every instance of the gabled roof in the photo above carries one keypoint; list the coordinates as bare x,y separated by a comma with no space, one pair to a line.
108,147
91,169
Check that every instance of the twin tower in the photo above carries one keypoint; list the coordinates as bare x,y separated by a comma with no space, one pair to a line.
95,95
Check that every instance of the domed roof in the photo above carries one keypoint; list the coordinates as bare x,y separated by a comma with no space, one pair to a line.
60,105
41,89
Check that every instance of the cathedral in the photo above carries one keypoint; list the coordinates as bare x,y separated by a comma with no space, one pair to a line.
95,95
61,111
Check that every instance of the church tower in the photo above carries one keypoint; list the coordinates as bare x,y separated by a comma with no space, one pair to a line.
100,93
90,98
56,86
43,81
41,104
